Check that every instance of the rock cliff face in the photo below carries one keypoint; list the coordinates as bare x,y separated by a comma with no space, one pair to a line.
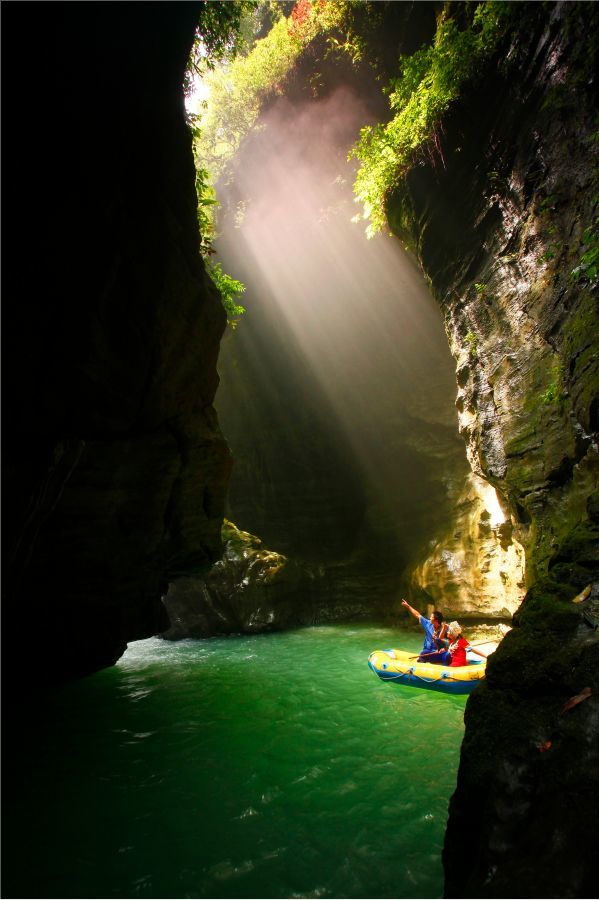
114,467
505,264
250,589
477,569
505,230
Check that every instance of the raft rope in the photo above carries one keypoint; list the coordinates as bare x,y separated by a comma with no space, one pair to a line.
389,676
411,674
444,677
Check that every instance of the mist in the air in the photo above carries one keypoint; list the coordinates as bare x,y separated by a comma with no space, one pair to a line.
338,387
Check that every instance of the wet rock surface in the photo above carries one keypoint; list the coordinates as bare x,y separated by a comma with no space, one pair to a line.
252,589
521,820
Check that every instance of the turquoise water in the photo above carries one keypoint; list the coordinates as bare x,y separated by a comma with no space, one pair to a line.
267,766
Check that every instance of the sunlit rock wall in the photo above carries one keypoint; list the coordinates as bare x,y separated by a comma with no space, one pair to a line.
501,228
114,467
505,228
478,568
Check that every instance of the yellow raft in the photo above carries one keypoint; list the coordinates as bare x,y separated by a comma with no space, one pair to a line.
402,667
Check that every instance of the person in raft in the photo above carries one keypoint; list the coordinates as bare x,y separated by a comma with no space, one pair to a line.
435,630
456,654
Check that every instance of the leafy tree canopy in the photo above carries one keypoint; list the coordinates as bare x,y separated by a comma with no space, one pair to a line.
428,83
243,52
239,87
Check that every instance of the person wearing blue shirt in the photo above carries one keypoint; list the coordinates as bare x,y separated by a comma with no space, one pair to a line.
434,634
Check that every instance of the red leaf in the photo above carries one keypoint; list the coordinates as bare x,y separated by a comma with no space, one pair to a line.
578,698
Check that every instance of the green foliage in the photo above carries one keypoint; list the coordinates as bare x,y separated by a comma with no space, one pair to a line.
472,343
221,33
230,290
218,36
207,202
551,394
483,293
236,94
588,264
552,251
430,81
240,70
547,204
239,88
554,391
236,88
351,28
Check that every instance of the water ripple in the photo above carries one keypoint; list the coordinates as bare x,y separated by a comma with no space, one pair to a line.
267,766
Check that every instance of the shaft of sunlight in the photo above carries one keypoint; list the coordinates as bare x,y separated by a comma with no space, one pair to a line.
358,311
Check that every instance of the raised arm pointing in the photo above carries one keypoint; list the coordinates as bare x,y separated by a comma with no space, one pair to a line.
411,609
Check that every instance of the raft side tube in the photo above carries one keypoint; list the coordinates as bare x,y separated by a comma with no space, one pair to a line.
402,667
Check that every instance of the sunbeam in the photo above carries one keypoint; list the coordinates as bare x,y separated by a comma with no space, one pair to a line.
342,324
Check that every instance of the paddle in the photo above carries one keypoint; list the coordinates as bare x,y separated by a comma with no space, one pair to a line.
470,647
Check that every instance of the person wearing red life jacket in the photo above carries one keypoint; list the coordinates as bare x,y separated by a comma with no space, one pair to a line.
458,645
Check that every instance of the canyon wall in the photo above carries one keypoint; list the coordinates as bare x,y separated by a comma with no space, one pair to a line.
114,468
505,226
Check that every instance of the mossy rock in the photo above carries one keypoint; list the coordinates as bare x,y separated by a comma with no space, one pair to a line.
548,607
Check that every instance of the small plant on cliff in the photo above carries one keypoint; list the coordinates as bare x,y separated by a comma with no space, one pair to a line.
552,252
483,293
551,394
588,264
230,290
554,392
430,81
206,196
472,344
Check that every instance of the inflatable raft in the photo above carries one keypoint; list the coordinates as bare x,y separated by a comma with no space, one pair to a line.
402,667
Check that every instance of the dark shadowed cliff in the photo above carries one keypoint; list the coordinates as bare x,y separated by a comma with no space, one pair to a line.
114,467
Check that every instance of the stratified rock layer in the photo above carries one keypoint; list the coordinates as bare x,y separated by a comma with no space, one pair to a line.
114,467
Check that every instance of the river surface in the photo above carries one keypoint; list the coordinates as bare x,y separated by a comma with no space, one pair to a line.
266,766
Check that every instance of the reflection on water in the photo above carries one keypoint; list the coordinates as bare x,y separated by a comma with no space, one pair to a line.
267,766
